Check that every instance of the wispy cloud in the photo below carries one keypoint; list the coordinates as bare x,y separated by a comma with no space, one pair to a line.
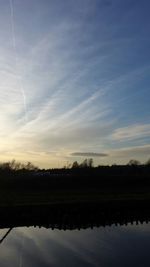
88,154
131,132
81,78
124,154
129,152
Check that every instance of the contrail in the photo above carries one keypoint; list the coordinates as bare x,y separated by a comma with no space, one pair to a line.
16,58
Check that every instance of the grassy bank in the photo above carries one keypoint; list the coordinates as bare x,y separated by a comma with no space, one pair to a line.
45,190
79,185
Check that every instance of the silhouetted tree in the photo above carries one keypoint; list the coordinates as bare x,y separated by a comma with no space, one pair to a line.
147,162
133,162
87,163
14,165
75,164
31,167
84,164
90,163
5,166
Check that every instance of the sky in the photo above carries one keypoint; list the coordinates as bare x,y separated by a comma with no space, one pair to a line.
74,81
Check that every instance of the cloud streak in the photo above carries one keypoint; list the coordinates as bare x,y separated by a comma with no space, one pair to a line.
131,132
88,154
16,57
81,85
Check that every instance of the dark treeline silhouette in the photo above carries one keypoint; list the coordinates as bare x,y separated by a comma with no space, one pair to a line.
27,184
17,166
83,174
87,163
85,166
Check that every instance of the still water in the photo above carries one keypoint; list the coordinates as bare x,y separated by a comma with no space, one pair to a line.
104,246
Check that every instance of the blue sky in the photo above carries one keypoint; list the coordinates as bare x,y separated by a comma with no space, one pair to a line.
74,77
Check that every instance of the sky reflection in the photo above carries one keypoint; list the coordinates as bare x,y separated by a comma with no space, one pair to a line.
109,246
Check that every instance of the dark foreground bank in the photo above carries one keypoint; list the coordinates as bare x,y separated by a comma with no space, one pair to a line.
101,185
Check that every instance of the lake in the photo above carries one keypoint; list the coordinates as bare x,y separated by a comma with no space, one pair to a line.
125,245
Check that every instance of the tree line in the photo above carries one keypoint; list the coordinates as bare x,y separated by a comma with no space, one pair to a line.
87,163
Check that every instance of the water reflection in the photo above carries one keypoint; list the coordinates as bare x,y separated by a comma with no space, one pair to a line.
109,246
108,236
73,216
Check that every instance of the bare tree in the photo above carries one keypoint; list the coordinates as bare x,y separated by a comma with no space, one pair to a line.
147,162
133,162
75,164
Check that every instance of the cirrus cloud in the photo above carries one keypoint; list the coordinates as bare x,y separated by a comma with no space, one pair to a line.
130,132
